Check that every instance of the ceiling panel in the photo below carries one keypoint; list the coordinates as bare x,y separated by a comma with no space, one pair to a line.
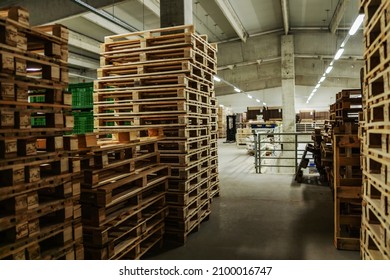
259,15
309,13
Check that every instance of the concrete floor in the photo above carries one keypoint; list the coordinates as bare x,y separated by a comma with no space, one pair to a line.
260,216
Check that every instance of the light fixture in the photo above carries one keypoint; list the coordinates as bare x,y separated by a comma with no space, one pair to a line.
328,69
339,53
331,64
322,79
264,103
250,96
217,79
33,69
317,86
220,105
257,100
314,90
237,89
356,24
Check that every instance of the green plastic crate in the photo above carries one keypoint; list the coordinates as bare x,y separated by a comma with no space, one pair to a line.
82,95
37,99
38,121
83,122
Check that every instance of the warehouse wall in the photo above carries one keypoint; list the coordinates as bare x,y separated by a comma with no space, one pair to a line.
273,97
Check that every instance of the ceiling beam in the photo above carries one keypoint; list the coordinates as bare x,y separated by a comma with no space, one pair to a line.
82,61
152,5
286,22
232,17
41,12
83,42
104,15
114,28
338,15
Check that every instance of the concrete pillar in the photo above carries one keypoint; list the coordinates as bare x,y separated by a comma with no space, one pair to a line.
175,12
288,83
288,95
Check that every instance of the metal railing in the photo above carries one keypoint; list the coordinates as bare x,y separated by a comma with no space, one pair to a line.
279,152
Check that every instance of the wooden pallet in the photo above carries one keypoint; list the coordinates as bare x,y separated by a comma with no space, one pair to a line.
376,21
375,235
186,198
149,95
114,241
177,66
151,81
187,173
127,187
187,159
125,121
192,224
347,191
123,206
369,249
377,57
190,184
183,146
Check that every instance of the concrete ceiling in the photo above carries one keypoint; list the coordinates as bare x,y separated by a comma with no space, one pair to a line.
237,23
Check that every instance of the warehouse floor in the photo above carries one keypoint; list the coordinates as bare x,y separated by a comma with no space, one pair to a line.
260,216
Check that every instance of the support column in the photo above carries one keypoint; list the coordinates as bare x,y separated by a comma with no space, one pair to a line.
288,83
175,12
288,95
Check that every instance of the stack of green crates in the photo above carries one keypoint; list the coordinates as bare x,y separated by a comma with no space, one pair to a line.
82,105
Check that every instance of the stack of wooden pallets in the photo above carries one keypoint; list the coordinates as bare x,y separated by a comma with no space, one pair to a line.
340,156
375,132
40,214
123,191
163,79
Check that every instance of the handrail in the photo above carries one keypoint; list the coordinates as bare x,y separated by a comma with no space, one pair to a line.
282,149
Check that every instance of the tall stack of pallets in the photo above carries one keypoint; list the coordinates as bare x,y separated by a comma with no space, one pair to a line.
375,131
40,214
163,79
340,153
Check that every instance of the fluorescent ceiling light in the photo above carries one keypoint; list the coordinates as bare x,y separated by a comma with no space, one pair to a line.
264,103
331,64
216,79
257,100
220,105
322,79
249,96
328,69
356,24
338,54
237,89
307,102
314,90
317,86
